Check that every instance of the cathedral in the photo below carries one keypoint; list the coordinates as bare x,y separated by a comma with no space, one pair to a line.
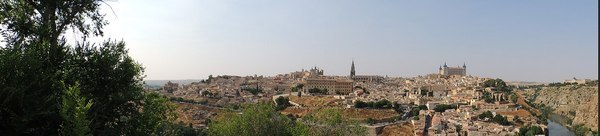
363,78
449,71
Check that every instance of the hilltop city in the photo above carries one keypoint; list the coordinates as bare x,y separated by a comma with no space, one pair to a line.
446,102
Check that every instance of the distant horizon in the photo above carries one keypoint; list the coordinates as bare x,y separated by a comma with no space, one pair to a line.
540,41
215,75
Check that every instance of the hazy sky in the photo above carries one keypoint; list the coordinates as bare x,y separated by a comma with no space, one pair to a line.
533,40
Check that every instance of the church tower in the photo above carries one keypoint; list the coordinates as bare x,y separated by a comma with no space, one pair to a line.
352,70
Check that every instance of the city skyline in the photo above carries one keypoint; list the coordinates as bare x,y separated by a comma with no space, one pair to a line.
547,41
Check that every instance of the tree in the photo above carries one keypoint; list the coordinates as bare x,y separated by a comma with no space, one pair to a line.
383,104
360,104
398,108
317,91
73,109
513,98
33,60
209,80
499,84
444,107
156,112
530,131
37,64
580,130
501,120
329,122
255,120
486,114
458,128
115,85
282,103
370,121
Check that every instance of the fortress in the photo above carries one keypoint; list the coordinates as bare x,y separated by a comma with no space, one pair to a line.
449,71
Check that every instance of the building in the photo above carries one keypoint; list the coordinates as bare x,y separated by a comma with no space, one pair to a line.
363,78
316,71
449,71
342,86
578,81
170,87
313,72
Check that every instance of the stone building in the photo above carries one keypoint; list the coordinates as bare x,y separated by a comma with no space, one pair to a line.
364,78
578,81
449,71
332,85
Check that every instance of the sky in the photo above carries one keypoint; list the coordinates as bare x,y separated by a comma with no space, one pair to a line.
535,40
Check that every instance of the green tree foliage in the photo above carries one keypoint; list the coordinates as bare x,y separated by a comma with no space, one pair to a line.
498,118
30,90
317,91
424,92
360,104
329,122
181,129
262,119
155,113
255,120
282,103
513,98
381,104
254,91
210,78
115,85
530,131
444,107
415,110
33,60
486,114
501,120
36,67
499,84
458,129
73,109
487,97
398,108
581,130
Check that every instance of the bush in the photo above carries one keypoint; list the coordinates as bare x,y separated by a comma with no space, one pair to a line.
501,120
360,104
444,107
282,103
254,91
530,131
486,114
317,91
382,104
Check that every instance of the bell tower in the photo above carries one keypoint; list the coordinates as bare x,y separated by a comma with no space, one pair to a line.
352,70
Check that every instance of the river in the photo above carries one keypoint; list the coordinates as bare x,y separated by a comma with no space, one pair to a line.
555,127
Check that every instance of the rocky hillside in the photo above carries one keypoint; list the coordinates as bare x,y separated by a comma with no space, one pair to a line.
579,103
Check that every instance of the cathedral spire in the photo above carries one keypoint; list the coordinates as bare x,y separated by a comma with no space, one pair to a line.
445,64
352,70
464,65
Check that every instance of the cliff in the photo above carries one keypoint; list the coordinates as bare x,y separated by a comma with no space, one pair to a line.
578,103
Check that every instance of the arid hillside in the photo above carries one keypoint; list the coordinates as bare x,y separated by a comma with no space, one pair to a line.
579,103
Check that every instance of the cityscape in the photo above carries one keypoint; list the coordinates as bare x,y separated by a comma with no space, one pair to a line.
298,68
446,102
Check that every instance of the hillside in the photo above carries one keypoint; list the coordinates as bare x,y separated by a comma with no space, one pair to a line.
578,103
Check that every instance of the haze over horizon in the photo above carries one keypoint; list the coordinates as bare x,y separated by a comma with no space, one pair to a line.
542,41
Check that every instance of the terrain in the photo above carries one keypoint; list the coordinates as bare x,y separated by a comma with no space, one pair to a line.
575,102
